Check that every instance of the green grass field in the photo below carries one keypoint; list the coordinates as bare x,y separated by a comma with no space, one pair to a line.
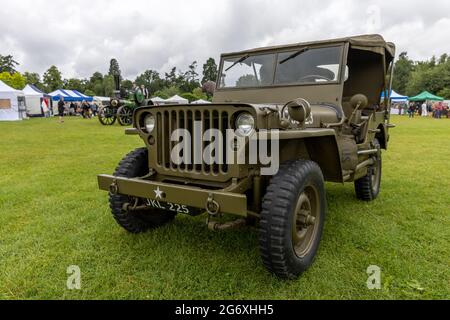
52,215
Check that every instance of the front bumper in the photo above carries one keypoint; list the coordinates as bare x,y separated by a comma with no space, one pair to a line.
232,203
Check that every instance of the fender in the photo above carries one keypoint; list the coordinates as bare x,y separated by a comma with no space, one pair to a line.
319,145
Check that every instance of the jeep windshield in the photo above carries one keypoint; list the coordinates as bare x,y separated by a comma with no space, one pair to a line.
299,66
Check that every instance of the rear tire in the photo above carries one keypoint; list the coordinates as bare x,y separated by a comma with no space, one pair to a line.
134,165
292,219
368,187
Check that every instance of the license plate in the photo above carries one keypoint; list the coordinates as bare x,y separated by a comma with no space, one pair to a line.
173,207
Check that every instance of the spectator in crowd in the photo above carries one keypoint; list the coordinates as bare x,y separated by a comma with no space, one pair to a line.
439,110
411,110
45,108
72,108
78,108
424,110
61,109
86,109
94,108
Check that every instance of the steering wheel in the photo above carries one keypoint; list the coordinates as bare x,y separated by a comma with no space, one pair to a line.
314,77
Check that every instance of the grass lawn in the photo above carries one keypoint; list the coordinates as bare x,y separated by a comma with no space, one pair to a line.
52,215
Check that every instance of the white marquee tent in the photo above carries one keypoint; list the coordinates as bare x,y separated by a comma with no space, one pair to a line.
33,97
158,100
201,101
12,103
177,100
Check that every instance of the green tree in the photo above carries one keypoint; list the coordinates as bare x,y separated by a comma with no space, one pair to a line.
75,84
199,94
8,64
151,80
431,76
171,78
95,84
108,86
209,71
189,80
169,92
52,79
89,93
402,73
32,78
125,87
15,80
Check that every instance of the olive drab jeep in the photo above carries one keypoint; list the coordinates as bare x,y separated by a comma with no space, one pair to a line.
284,119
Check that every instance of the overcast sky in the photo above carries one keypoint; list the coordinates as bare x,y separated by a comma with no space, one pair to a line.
81,36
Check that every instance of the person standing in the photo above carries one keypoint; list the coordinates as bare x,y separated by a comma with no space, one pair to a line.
424,109
411,110
145,92
45,108
61,109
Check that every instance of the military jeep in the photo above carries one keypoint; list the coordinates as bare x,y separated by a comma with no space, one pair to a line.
316,106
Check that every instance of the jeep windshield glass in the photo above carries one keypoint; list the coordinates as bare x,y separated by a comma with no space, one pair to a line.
248,71
299,66
308,66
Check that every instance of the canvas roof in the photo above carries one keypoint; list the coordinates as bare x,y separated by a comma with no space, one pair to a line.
426,96
5,88
31,90
369,42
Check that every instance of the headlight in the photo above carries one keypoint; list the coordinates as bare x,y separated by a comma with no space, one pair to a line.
114,103
245,124
150,122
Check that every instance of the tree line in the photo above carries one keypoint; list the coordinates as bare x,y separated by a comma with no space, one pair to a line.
413,77
410,78
189,83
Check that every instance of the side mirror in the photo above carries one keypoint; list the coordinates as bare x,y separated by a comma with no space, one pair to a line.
359,101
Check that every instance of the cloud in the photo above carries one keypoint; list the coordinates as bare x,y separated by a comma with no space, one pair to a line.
81,36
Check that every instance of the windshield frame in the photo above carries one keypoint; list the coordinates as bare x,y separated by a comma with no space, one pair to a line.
276,53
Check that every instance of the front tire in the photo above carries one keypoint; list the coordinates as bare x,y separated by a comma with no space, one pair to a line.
368,187
292,219
135,165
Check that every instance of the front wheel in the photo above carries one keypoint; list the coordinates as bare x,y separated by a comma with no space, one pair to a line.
368,187
135,165
292,219
107,116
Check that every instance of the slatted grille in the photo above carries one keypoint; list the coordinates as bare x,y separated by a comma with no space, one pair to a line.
186,118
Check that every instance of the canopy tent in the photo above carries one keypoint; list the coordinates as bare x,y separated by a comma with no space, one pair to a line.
69,95
424,96
395,97
101,100
158,100
34,97
12,103
201,101
177,100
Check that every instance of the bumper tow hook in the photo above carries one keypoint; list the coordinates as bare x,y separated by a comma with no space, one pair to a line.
114,188
212,207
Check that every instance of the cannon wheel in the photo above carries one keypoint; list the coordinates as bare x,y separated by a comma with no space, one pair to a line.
107,116
125,116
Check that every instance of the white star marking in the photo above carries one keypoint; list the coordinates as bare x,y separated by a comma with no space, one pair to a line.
159,193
